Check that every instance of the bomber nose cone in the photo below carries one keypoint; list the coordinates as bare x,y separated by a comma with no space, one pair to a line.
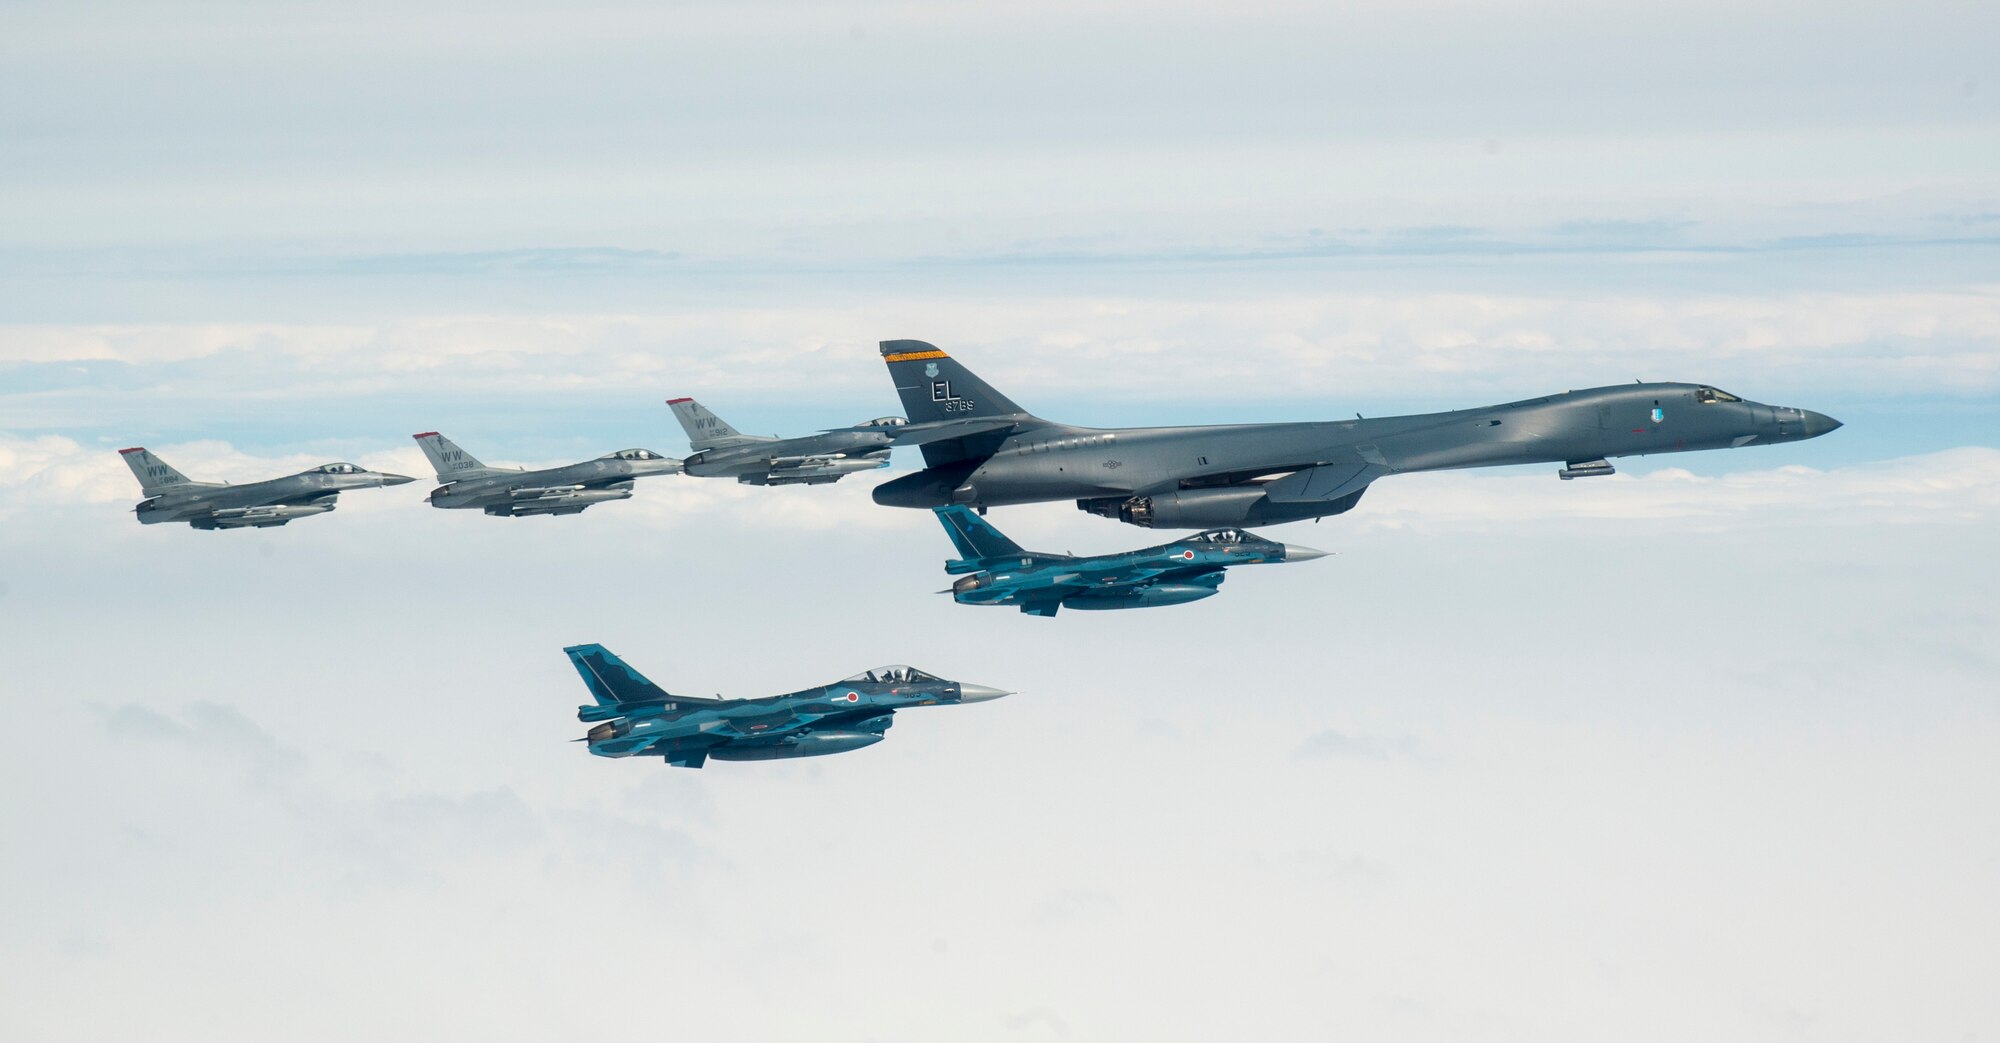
979,693
1818,424
1294,552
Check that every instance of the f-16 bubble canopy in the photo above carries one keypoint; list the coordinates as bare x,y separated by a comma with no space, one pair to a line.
892,675
883,421
632,454
341,469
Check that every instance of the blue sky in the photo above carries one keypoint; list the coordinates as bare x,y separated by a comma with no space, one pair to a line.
1699,751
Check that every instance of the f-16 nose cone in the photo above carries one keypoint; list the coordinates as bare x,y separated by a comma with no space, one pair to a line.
396,479
1294,552
1818,424
978,693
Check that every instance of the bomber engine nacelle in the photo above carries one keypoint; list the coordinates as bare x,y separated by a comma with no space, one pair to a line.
1213,508
811,744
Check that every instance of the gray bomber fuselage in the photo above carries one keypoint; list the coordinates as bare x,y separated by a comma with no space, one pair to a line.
1196,477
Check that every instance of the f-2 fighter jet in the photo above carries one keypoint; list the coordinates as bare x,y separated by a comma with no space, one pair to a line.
996,571
635,718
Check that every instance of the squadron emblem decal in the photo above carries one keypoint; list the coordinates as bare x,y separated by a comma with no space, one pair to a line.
930,369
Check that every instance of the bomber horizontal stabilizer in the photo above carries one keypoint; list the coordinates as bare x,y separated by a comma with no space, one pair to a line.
945,430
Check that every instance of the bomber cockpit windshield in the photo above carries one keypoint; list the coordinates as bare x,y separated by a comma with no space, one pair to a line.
1708,396
632,454
1226,537
892,675
339,469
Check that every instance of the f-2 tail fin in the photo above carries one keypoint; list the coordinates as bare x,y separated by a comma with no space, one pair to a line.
704,429
618,688
155,475
933,386
449,461
975,537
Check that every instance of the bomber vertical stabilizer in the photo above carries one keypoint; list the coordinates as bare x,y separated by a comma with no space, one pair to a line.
933,386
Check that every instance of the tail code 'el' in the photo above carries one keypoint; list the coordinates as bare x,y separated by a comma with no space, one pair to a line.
154,474
704,429
447,459
975,536
934,386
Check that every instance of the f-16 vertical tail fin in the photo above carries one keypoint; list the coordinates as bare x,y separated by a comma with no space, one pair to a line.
155,475
935,387
975,537
449,461
704,429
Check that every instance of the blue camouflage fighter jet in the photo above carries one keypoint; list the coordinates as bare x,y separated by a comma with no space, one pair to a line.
1001,573
635,718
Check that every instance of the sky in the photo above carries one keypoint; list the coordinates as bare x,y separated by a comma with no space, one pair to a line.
1701,750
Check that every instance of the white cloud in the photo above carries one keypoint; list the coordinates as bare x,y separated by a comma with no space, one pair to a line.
1263,346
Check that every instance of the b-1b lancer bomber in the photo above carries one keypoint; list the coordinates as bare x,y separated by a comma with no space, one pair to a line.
510,492
721,451
171,497
1001,573
635,718
982,450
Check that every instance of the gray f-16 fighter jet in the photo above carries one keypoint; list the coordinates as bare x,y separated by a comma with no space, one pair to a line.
510,492
171,497
638,719
982,450
720,451
1001,573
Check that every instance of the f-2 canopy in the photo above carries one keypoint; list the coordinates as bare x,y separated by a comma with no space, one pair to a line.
1223,536
892,675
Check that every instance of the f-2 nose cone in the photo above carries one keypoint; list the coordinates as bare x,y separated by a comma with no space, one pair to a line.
1818,424
396,479
979,693
1294,552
